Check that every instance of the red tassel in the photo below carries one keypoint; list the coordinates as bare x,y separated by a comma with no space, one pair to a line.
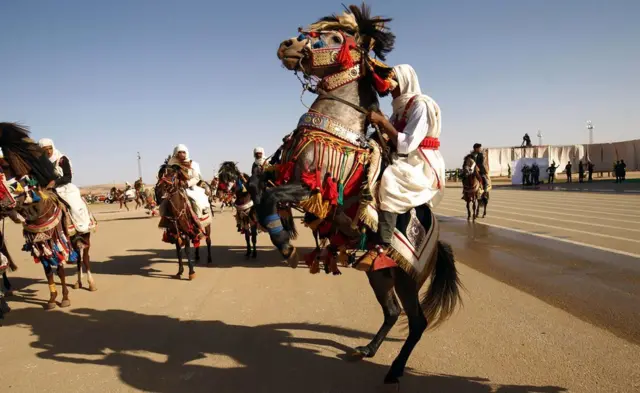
344,56
285,173
310,179
382,85
330,191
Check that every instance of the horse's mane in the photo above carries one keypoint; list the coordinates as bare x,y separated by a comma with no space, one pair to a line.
23,155
228,172
372,31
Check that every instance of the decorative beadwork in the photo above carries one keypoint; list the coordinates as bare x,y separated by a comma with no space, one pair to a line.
341,78
325,123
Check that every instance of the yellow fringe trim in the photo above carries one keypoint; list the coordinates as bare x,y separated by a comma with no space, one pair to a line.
52,288
316,206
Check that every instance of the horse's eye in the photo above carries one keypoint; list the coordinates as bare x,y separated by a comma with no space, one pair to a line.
336,39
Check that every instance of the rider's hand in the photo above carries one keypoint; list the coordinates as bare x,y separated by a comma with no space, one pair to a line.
51,184
376,118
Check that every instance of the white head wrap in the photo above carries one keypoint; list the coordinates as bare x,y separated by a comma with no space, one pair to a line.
180,148
259,161
410,87
46,142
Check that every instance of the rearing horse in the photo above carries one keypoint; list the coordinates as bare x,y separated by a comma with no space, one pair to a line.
330,169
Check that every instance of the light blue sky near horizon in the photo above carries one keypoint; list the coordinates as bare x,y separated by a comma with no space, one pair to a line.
108,79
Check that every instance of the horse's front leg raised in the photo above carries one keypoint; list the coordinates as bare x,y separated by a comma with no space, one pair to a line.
269,218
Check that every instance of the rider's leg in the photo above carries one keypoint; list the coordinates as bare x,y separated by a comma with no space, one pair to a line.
386,227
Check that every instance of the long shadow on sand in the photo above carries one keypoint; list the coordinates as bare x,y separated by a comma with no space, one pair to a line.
157,353
162,263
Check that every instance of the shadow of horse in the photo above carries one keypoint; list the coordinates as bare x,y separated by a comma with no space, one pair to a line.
150,262
157,353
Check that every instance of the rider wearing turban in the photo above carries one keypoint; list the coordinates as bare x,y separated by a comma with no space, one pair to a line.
417,177
197,194
258,156
80,216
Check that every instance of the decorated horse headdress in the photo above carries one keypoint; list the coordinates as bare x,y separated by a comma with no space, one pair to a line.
345,43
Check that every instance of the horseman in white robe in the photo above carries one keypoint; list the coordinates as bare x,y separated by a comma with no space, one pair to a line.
80,216
196,194
417,176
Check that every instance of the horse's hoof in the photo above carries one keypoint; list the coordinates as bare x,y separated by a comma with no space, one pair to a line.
292,260
77,285
65,303
209,261
177,276
192,276
50,306
92,288
254,255
363,352
9,293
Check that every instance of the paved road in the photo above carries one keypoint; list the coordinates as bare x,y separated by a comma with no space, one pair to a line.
258,326
607,221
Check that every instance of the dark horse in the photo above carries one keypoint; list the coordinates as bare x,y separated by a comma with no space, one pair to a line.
180,223
246,219
328,168
48,229
472,191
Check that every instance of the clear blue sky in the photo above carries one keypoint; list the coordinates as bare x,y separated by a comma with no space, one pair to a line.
106,79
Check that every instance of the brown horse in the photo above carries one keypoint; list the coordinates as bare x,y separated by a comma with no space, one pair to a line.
48,229
329,169
472,191
181,225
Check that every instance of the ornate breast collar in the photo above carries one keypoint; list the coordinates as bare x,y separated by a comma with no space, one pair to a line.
325,123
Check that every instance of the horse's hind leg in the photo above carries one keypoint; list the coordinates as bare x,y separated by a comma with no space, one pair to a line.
408,293
179,254
247,239
485,203
209,260
187,250
7,285
475,213
86,261
65,291
79,264
53,292
382,283
254,241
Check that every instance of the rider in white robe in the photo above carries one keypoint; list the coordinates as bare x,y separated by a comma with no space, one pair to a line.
80,215
196,193
417,176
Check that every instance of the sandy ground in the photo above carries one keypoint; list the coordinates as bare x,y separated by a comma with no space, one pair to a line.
259,326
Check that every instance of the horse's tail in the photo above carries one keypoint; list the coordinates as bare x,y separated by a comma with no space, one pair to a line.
443,295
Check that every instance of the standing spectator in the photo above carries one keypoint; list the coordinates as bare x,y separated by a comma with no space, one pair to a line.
552,172
580,172
623,170
616,171
567,169
590,168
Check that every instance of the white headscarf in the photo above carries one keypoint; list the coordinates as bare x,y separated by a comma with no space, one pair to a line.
410,87
180,148
259,161
46,142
